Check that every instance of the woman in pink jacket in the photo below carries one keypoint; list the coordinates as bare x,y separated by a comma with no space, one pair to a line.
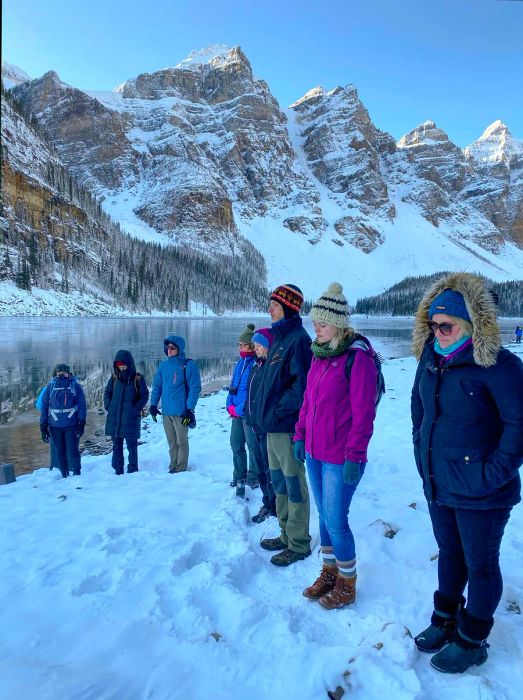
332,435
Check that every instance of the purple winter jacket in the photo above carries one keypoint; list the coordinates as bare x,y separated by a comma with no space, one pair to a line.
337,415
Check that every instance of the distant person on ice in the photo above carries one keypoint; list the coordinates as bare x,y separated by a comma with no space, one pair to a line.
177,383
241,433
332,435
125,396
518,333
467,428
63,418
277,407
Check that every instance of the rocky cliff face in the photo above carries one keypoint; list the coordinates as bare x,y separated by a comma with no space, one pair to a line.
496,184
201,153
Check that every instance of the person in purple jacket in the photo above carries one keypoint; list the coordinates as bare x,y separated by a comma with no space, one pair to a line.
332,434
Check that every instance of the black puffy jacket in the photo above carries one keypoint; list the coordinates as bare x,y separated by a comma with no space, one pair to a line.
280,395
125,396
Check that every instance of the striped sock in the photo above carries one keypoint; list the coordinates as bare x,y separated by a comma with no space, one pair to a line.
347,568
327,554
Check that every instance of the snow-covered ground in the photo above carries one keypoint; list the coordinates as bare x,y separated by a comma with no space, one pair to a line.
154,586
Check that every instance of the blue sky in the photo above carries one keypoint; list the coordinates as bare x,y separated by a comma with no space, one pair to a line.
457,62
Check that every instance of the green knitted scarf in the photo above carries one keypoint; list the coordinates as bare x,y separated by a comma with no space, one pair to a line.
321,350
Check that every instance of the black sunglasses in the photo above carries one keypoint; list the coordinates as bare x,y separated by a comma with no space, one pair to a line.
172,347
443,328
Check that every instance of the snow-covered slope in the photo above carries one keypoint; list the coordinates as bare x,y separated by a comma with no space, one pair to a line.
12,75
154,586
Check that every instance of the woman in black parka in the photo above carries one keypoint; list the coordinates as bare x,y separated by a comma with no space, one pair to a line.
467,426
125,395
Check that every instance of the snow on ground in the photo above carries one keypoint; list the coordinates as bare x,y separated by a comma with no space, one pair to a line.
154,586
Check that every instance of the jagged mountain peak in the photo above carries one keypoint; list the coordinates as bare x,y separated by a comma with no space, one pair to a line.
13,75
207,55
212,75
496,144
426,134
316,94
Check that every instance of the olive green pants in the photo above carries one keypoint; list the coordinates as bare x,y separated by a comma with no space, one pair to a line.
292,493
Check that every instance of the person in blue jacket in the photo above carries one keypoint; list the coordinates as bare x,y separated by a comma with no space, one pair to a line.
125,395
467,428
63,417
53,454
177,383
241,433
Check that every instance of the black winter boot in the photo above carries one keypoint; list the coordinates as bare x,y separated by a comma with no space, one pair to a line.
468,647
442,624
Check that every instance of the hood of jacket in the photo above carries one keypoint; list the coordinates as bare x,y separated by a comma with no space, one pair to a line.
486,336
126,357
178,341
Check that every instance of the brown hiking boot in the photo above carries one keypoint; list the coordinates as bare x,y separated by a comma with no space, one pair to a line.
323,584
343,593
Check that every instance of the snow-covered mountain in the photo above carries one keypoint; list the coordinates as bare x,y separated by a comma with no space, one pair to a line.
201,153
57,242
12,75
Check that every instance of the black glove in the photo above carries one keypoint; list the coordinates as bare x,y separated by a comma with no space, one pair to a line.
153,410
44,430
187,417
80,429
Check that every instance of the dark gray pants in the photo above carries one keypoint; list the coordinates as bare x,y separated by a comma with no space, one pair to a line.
241,435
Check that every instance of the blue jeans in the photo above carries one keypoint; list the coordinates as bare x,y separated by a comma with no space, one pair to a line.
469,542
333,498
132,449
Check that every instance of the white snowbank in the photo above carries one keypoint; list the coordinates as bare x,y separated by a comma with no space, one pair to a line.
154,586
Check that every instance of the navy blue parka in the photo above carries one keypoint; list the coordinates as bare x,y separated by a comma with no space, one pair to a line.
467,412
122,401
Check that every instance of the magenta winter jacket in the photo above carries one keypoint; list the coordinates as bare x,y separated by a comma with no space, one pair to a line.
337,415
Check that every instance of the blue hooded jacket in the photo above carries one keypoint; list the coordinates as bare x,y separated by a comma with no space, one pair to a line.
240,380
169,385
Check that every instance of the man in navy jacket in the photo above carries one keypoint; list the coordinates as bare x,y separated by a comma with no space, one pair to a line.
277,409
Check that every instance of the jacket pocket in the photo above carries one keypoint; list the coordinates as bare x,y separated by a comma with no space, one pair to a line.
466,471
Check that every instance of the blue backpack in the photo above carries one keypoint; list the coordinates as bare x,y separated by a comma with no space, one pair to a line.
62,402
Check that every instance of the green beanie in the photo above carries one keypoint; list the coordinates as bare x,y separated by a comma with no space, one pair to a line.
247,333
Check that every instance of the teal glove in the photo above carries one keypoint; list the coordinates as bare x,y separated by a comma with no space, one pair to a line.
352,471
299,450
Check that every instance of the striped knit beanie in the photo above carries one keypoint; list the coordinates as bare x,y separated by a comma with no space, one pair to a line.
331,307
290,297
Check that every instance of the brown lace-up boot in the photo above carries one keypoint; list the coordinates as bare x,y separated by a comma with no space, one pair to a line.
323,584
343,593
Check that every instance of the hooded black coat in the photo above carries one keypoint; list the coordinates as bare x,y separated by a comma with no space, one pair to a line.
122,401
467,413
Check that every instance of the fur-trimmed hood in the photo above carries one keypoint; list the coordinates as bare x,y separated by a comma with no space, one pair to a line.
486,336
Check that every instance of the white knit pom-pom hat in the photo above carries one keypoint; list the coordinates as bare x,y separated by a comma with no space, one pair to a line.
331,307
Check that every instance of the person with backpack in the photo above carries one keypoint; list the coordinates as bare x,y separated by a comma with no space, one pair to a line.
241,433
63,417
177,383
467,431
332,434
53,454
125,396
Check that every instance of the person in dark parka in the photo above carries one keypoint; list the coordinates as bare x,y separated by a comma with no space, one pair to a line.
125,395
276,413
467,423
